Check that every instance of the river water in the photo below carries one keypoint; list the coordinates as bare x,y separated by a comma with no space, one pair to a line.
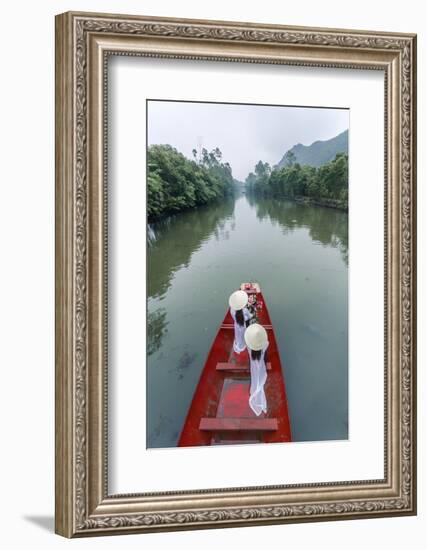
299,255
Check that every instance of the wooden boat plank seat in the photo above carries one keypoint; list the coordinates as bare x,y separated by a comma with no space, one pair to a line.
225,424
230,326
234,441
236,367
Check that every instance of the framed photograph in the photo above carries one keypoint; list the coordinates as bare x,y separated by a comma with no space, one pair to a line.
235,274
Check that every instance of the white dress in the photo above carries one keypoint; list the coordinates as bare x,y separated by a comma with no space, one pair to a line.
257,400
239,343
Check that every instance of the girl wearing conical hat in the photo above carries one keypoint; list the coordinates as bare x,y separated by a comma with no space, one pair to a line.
241,315
257,341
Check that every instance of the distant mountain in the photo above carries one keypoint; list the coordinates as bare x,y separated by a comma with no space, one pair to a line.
319,152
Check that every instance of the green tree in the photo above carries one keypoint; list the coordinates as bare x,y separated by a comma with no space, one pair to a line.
155,195
327,184
250,181
175,183
262,176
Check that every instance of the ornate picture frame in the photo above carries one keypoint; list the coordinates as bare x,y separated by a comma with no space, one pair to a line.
83,43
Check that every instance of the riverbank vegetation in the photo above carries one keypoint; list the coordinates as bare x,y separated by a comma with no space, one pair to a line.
326,185
176,183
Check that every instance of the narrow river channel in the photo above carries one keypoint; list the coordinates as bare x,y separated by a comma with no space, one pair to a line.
299,255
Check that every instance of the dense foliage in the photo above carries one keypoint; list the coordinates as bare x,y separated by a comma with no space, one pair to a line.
176,183
325,185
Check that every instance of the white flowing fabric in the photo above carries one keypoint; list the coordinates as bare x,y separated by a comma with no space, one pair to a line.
239,343
257,400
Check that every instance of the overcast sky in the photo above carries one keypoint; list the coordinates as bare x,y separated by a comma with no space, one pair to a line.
244,133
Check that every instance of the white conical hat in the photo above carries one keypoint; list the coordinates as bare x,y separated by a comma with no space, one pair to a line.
238,299
256,337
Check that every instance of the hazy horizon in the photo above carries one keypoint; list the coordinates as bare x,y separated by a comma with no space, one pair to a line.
244,133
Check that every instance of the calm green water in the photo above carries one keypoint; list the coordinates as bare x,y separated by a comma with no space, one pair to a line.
299,255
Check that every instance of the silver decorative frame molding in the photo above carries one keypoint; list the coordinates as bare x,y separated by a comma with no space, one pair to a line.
83,43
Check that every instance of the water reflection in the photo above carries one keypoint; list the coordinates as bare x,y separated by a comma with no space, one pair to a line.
326,226
172,242
184,363
156,323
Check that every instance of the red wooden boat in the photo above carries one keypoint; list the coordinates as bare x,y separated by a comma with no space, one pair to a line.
219,413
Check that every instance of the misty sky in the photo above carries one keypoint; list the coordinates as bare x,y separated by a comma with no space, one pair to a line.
244,133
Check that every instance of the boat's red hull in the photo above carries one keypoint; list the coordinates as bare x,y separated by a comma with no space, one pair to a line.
220,412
